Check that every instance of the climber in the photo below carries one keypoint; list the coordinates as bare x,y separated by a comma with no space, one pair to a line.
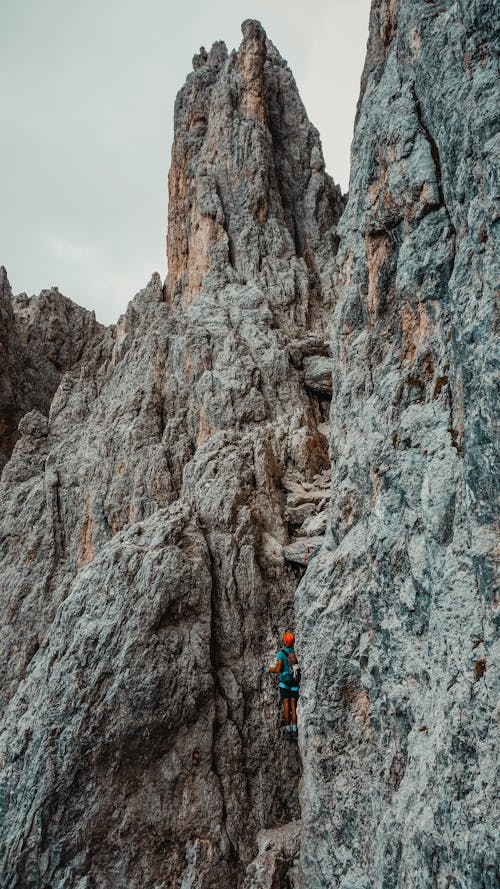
289,672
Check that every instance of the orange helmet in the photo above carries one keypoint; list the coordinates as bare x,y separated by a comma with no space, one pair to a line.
288,639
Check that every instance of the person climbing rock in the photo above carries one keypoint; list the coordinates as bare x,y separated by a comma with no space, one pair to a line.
289,681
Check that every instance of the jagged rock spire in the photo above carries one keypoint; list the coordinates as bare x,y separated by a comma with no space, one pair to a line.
40,338
248,192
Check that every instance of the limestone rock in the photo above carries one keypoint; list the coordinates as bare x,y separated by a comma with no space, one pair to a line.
318,374
143,522
310,345
396,612
316,524
303,550
161,465
41,337
248,188
274,866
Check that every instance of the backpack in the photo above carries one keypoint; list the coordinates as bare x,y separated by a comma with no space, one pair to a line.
290,678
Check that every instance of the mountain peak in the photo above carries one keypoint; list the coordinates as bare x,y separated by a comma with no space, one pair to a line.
247,187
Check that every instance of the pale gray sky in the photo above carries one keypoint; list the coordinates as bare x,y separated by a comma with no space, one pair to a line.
87,90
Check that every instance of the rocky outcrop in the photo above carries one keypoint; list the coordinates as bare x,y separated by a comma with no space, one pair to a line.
248,189
41,337
144,525
170,486
396,613
276,863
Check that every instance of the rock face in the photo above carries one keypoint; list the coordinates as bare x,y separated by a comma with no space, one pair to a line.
248,190
40,339
396,614
170,485
276,864
144,523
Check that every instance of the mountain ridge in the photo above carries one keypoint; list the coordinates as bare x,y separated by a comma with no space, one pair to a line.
293,430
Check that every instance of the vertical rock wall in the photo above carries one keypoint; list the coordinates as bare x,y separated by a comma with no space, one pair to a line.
40,338
142,538
396,615
162,466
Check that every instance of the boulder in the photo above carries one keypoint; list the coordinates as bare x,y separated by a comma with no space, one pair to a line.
318,374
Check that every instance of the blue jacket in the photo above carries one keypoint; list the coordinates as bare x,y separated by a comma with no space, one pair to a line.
285,669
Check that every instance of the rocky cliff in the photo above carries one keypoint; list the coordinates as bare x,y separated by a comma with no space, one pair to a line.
396,616
168,490
143,541
40,339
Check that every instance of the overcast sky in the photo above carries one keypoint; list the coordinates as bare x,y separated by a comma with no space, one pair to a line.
87,90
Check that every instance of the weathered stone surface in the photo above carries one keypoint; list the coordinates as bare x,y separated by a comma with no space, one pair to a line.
41,337
248,185
142,535
275,864
318,374
310,345
145,558
396,613
307,514
302,550
316,524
